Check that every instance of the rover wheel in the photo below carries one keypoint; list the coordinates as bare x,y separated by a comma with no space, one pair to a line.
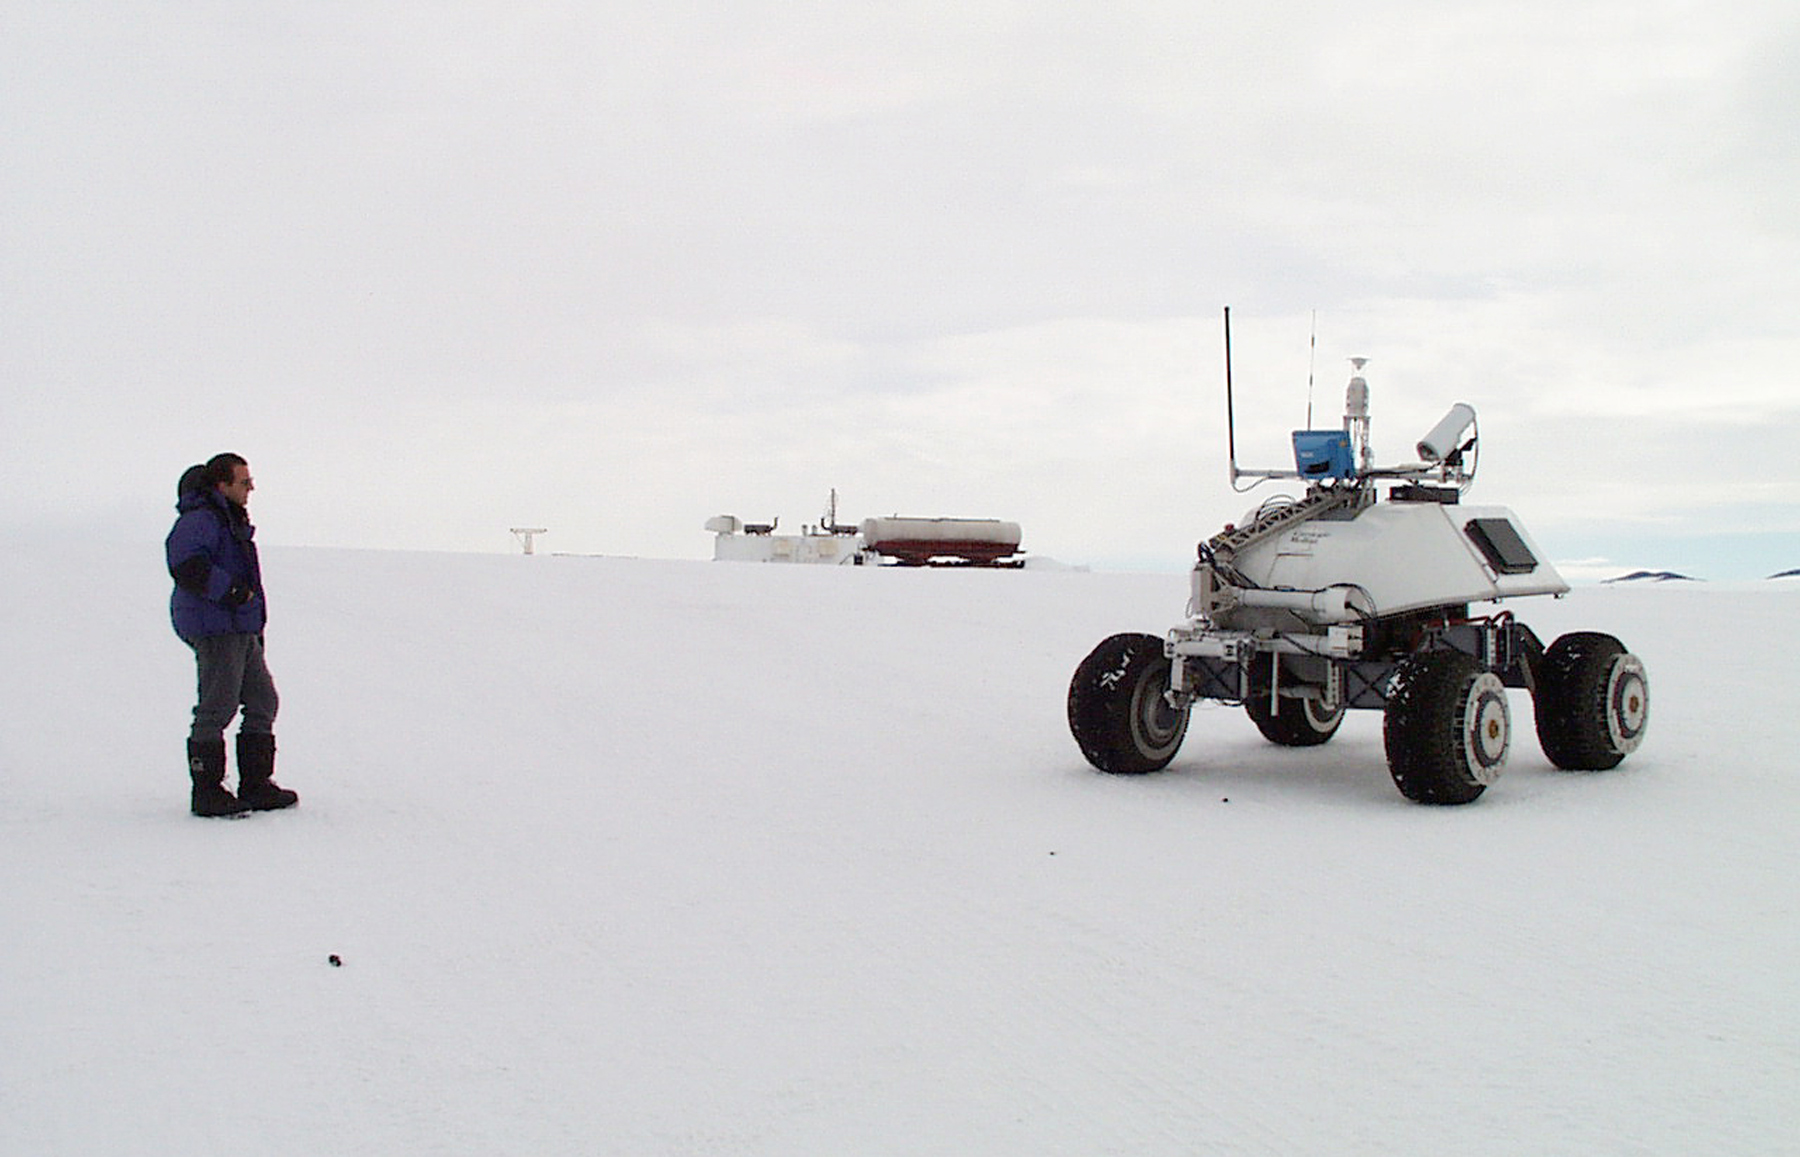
1117,712
1447,728
1297,722
1593,702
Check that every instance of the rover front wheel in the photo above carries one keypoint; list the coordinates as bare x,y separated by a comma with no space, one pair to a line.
1592,702
1287,721
1447,728
1117,711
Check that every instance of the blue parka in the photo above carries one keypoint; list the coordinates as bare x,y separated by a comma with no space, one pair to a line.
212,558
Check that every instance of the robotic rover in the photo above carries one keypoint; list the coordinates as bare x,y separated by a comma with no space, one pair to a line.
1346,599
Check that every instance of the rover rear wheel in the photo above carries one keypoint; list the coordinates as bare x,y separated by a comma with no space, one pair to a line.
1117,711
1447,728
1288,722
1592,702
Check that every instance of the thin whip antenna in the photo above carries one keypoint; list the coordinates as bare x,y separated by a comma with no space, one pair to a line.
1230,420
1312,360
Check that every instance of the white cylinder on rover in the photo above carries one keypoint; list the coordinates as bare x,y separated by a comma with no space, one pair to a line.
1331,605
1446,436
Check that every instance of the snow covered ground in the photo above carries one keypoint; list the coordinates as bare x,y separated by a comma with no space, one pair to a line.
637,857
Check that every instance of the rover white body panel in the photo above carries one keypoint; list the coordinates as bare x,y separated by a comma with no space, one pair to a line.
1404,555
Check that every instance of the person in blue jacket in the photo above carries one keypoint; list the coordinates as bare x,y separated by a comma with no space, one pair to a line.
218,609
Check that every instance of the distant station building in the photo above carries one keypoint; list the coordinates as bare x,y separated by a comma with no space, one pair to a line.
893,541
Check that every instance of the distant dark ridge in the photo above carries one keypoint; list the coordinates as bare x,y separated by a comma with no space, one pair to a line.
1653,576
1795,573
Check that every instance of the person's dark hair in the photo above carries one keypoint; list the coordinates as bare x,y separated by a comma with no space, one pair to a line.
219,467
193,478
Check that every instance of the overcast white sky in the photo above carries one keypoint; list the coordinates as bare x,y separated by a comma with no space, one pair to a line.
441,269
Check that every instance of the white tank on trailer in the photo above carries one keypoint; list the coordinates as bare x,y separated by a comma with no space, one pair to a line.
982,541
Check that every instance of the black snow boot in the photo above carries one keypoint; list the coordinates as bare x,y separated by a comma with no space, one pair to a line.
257,789
206,766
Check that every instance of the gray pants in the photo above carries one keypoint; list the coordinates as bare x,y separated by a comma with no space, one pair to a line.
233,674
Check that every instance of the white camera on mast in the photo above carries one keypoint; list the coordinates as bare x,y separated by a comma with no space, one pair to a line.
1445,438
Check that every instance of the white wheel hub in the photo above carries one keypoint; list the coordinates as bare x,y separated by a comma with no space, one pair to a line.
1487,728
1627,703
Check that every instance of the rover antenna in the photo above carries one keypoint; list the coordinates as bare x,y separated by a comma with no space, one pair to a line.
1312,360
1230,418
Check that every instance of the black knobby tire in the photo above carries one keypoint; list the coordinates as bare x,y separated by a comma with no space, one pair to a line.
1592,702
1294,722
1117,711
1447,728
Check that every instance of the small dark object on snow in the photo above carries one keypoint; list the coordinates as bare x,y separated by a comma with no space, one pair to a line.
335,962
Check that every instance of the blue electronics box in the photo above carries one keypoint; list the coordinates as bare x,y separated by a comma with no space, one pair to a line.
1320,454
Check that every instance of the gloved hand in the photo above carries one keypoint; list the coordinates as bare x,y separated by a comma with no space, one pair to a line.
239,594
